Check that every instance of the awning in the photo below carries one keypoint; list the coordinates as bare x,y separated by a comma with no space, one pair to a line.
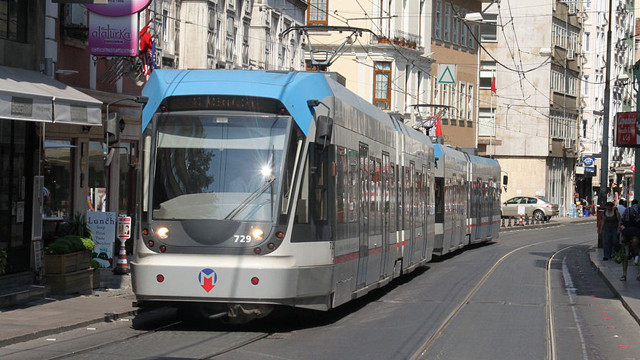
32,96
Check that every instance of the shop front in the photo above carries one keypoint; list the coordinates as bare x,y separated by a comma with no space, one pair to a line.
38,150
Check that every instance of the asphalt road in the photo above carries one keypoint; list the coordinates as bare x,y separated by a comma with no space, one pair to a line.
530,295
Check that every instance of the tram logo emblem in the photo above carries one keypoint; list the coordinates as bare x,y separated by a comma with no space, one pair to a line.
207,279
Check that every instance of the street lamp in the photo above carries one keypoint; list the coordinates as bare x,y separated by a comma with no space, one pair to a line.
112,127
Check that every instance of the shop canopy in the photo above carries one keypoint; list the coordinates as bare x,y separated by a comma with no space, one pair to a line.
32,96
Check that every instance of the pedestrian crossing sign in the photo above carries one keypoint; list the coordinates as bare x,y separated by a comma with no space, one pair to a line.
447,73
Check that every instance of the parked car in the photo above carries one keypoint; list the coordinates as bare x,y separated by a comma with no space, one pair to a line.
537,209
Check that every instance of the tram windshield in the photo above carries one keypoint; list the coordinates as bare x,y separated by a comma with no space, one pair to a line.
218,167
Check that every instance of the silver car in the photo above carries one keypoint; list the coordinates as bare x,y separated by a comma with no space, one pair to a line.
537,209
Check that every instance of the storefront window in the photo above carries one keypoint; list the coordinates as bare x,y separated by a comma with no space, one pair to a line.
127,179
97,185
57,178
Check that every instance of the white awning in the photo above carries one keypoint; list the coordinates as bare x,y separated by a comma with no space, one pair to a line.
32,96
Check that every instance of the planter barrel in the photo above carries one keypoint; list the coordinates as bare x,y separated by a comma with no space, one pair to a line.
60,264
70,283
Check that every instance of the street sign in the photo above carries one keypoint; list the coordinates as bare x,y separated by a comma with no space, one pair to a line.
447,73
124,227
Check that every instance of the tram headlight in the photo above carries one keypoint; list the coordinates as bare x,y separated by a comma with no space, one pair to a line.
257,233
162,232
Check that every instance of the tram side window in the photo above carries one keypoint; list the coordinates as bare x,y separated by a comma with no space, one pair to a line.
439,199
313,200
392,197
408,197
342,170
373,218
352,193
378,188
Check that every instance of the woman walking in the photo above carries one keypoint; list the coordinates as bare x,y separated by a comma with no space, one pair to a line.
609,224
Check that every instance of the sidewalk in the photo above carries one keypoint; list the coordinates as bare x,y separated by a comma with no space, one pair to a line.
53,314
627,291
115,299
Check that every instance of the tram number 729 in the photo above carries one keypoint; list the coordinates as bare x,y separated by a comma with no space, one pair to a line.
242,238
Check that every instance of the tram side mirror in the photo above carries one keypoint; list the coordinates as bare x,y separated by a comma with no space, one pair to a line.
505,180
324,128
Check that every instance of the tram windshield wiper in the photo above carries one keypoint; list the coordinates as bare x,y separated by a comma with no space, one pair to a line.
251,198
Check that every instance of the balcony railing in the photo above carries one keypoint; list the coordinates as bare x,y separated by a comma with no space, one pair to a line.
401,38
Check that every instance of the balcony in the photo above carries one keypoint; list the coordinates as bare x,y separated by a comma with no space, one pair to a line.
400,38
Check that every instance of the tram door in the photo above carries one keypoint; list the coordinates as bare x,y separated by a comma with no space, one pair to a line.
411,208
385,214
363,214
424,202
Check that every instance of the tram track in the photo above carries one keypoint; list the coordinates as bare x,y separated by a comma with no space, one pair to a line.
550,331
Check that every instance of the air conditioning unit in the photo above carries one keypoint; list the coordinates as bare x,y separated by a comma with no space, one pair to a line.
570,54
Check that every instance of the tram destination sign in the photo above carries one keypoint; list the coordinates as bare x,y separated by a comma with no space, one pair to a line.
226,102
627,130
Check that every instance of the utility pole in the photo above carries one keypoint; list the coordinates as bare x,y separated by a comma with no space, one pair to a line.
636,172
604,157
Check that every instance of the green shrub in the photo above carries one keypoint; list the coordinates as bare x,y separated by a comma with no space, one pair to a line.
3,261
95,264
68,244
77,225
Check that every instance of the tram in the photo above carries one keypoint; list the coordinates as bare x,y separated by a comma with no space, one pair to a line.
261,189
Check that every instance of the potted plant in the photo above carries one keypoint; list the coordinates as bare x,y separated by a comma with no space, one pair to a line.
67,261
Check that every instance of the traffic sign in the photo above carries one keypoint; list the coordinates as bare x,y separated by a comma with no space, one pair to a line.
447,73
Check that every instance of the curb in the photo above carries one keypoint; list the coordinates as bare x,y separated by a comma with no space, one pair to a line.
109,317
613,288
551,224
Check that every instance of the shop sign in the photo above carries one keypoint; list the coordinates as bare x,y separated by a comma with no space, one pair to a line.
119,7
588,161
113,36
626,128
103,227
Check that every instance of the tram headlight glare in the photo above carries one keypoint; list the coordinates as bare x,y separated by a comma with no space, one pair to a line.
257,234
163,232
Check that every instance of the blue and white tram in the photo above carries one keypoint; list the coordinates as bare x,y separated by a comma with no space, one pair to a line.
483,223
271,188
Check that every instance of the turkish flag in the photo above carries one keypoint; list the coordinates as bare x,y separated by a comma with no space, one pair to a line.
438,127
493,84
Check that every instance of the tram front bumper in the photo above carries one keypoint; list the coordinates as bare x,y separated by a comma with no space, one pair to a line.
231,279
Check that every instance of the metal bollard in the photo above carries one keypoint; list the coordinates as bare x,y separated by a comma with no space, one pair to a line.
502,224
526,219
509,222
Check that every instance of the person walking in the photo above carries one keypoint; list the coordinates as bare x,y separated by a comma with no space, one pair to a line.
630,229
608,228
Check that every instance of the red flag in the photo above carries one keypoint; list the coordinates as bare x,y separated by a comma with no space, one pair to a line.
493,84
438,126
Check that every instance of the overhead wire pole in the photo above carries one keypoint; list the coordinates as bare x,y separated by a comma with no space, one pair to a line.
604,154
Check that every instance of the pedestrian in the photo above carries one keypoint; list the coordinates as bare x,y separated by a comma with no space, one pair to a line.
608,228
622,207
630,229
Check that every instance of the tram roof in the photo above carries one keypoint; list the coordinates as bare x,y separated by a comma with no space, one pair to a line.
483,160
293,89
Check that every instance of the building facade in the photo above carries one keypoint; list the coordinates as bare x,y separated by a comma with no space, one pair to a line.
529,111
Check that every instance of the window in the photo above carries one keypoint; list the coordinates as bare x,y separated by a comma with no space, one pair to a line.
462,100
455,32
469,104
382,85
447,23
486,122
97,186
471,40
317,12
437,20
165,26
587,39
489,28
487,72
58,178
13,20
463,28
